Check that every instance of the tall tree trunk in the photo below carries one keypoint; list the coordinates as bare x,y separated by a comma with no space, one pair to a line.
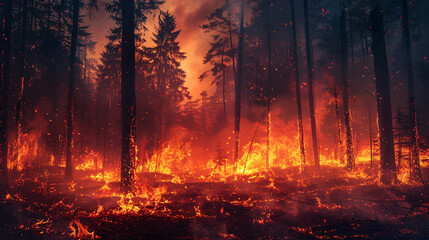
70,93
346,100
415,159
238,81
269,86
370,136
295,62
5,46
384,109
340,155
310,71
223,82
21,82
128,97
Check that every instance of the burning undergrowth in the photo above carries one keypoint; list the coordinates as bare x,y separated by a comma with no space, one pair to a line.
331,204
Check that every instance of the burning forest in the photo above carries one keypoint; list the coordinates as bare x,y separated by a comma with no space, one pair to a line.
226,119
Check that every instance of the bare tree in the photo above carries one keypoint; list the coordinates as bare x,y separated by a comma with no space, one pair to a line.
128,97
310,72
384,109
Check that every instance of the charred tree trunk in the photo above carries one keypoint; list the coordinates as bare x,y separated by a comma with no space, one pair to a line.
70,93
223,82
21,82
370,136
295,63
5,46
269,86
346,100
415,159
238,81
128,97
384,109
310,71
340,155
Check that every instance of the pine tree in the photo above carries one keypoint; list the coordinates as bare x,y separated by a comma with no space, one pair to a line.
166,72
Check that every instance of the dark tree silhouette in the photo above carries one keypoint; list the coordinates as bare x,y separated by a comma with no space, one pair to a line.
70,92
269,85
384,109
310,72
5,46
346,100
165,72
295,64
128,97
414,142
238,82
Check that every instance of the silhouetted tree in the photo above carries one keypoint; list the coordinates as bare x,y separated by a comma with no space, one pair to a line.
5,47
346,100
295,65
310,72
384,110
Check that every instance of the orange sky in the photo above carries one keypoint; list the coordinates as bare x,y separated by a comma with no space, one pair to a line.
190,15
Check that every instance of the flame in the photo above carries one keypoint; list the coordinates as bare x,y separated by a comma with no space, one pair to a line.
80,231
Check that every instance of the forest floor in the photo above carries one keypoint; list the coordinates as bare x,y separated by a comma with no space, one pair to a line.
332,204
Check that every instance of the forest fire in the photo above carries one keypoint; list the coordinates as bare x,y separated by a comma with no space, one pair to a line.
308,119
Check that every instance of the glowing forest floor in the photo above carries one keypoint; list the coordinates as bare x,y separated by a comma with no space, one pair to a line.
331,205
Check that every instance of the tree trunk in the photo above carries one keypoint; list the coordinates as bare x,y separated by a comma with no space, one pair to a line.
415,159
384,110
340,155
238,81
223,82
5,46
310,71
269,86
346,100
21,82
128,98
295,63
70,93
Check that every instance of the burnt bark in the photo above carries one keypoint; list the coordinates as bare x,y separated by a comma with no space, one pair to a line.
128,97
21,82
415,158
267,164
295,63
340,155
70,92
384,109
238,81
5,46
346,100
310,72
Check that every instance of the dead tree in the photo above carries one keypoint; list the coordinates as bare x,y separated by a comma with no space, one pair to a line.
340,155
414,143
267,164
346,100
128,97
5,48
310,72
295,63
238,81
21,81
70,92
384,109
